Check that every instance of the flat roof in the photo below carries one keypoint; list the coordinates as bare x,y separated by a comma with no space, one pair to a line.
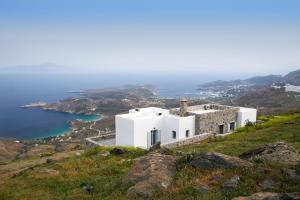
150,112
143,113
200,111
246,109
139,115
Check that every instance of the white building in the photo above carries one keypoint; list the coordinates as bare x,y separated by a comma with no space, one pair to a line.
147,126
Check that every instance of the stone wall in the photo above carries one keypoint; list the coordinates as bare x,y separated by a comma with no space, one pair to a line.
209,122
187,141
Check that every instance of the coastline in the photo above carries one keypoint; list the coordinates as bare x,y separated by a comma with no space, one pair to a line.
62,131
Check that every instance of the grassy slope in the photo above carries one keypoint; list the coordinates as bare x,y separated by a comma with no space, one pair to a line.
105,173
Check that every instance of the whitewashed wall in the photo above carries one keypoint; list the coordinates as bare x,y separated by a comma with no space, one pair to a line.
135,132
246,114
125,131
171,123
186,123
178,124
142,126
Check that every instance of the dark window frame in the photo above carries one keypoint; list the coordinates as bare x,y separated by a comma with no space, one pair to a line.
174,134
187,133
230,126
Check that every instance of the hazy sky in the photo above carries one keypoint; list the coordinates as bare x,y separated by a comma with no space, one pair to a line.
240,36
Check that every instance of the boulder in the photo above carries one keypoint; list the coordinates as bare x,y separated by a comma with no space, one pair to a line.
48,172
154,147
263,170
202,189
49,160
103,153
268,184
231,183
215,178
279,152
212,160
87,187
158,148
22,171
150,173
271,196
118,151
291,173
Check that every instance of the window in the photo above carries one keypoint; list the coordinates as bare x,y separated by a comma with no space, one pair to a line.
174,134
187,133
232,126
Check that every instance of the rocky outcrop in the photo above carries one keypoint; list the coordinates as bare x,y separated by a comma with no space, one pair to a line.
270,196
211,160
161,149
279,152
231,183
291,173
150,173
202,189
268,184
118,151
48,172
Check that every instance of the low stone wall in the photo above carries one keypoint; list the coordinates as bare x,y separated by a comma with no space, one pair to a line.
188,141
104,140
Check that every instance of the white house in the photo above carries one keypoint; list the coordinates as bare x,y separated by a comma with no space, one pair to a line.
146,126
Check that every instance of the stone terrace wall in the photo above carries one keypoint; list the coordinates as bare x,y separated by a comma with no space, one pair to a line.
209,122
208,107
187,141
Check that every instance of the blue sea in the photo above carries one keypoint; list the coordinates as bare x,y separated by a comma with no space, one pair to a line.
20,89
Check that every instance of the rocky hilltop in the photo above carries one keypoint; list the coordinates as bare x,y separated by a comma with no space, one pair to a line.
106,101
292,78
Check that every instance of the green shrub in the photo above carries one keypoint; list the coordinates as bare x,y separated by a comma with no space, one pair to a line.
94,150
258,159
46,154
189,191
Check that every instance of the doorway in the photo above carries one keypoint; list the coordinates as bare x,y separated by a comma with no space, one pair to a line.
154,137
221,129
232,126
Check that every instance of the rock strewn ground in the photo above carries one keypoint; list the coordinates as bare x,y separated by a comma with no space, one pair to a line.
150,173
279,152
270,196
212,160
9,149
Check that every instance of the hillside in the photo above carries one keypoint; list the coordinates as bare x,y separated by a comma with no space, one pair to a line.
9,149
270,94
257,80
268,100
70,177
292,78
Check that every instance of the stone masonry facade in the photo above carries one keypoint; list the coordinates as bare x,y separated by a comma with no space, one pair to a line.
214,122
